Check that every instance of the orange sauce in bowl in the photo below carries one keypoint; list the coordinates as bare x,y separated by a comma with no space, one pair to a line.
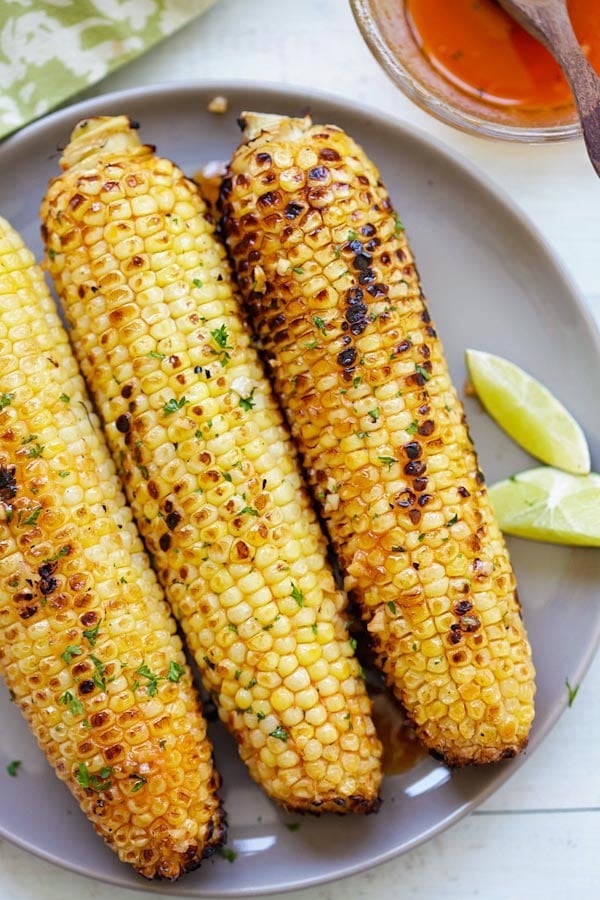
482,51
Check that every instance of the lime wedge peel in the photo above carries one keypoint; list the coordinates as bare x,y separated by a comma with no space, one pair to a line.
546,504
528,412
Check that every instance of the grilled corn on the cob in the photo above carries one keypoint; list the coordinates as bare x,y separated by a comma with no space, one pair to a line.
328,276
208,467
87,644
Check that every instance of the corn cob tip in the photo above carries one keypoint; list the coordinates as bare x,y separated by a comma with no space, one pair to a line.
254,123
110,135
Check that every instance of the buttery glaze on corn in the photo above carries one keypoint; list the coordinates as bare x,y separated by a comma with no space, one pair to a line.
331,287
87,644
209,468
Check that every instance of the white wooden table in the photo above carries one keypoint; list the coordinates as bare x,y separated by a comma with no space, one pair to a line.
539,836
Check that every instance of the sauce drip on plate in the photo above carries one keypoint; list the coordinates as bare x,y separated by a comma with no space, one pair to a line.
476,46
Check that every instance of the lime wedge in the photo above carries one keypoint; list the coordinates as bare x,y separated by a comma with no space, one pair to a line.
546,504
528,412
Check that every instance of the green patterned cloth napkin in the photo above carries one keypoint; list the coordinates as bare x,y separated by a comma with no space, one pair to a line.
50,50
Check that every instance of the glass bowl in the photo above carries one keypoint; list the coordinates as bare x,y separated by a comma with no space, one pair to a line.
385,28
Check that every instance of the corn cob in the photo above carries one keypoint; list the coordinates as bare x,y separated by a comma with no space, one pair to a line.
208,467
87,644
329,279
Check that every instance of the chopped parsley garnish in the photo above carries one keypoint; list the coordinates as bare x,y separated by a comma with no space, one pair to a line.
35,450
260,715
392,607
250,510
228,854
70,652
91,634
13,767
64,474
422,372
247,403
312,345
421,537
65,398
99,782
197,283
374,414
220,336
227,476
315,628
237,675
388,461
352,235
297,595
98,676
152,686
74,703
572,691
33,516
280,733
398,226
353,643
138,782
412,428
319,322
232,627
356,381
298,270
5,400
171,406
175,672
452,521
154,355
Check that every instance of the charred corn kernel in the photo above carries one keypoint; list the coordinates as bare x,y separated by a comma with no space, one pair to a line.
207,464
361,375
88,647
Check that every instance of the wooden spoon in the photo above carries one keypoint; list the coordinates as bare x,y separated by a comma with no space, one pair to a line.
549,22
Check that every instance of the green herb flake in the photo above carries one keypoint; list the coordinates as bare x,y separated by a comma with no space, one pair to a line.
353,643
220,337
336,251
412,428
99,782
297,595
65,398
35,451
374,414
352,236
392,607
74,703
51,254
64,474
452,521
298,270
91,634
227,476
98,676
447,408
162,744
153,679
356,381
292,826
154,355
33,516
414,647
572,692
249,510
228,854
138,782
232,627
13,767
398,226
421,537
422,372
315,628
247,403
197,283
5,400
238,674
175,672
312,345
69,653
171,406
387,461
280,733
320,323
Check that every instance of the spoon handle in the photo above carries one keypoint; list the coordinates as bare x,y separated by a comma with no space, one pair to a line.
549,22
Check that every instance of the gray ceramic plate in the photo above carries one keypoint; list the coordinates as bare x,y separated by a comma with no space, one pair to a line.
492,284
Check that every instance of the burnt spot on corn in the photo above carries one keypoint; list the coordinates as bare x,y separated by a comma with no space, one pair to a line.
8,483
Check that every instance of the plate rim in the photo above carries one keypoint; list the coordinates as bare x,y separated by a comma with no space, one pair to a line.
294,93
